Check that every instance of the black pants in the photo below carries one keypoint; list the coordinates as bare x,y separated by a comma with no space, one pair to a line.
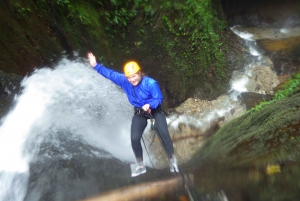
138,125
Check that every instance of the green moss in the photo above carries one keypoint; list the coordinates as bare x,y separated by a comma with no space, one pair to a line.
178,43
290,87
195,47
270,135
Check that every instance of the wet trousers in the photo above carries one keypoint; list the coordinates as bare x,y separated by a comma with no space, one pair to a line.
138,125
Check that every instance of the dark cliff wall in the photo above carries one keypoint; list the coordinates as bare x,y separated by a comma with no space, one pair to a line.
272,13
37,33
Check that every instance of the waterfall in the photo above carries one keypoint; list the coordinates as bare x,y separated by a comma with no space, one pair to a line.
255,76
72,102
71,98
239,83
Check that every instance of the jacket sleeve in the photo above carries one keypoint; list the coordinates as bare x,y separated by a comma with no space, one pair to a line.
114,76
157,97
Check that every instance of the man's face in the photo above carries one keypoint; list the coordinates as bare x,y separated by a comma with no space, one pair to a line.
134,79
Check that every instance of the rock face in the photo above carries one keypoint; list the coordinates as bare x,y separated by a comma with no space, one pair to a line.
281,45
262,13
195,120
260,136
260,77
274,25
9,85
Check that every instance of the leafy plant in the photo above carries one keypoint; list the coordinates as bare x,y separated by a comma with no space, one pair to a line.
289,88
21,10
189,31
195,24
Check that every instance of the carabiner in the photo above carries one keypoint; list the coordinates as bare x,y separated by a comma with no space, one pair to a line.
153,124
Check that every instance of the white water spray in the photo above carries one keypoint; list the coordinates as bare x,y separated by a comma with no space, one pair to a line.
241,81
73,98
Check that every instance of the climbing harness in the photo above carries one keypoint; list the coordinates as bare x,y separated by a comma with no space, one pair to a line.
148,115
187,181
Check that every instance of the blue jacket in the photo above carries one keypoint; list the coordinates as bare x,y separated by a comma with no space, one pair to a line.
146,92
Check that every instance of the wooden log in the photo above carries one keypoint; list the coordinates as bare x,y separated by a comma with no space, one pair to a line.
141,191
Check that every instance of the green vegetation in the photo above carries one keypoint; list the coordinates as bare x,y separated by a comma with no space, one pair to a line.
177,42
189,31
271,135
188,39
21,10
200,29
266,134
289,88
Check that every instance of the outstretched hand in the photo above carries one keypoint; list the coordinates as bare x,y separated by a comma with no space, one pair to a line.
92,59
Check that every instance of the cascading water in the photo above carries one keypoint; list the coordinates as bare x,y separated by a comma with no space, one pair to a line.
255,77
71,99
72,103
246,81
239,83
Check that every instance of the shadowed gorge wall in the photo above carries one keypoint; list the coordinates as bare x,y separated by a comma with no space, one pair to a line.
187,47
274,13
183,46
273,16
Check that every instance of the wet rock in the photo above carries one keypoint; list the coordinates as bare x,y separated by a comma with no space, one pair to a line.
78,171
190,124
257,138
195,120
259,33
281,45
250,99
9,86
284,53
9,83
259,76
268,13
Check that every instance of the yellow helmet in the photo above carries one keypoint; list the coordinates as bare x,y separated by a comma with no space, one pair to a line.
131,68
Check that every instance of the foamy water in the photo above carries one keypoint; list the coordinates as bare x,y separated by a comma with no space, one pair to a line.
72,97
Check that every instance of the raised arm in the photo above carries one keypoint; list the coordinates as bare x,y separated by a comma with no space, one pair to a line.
117,78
